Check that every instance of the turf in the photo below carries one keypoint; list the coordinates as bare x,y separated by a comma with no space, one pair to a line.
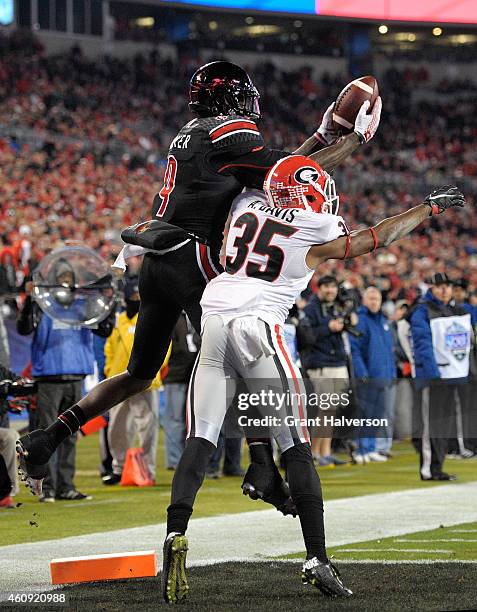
454,543
120,507
276,587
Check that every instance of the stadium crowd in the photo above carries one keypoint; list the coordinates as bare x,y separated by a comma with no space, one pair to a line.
83,146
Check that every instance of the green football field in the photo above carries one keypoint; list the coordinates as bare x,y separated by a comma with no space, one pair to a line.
447,543
119,507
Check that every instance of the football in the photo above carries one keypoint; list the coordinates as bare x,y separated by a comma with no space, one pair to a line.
350,99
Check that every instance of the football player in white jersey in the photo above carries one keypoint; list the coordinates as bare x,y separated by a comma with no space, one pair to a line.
275,241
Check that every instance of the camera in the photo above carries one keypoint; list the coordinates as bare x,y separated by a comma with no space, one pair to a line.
20,391
346,304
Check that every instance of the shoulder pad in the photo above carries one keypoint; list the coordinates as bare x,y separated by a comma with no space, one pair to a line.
225,132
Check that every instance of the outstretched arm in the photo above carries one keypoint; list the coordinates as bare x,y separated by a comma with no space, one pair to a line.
387,231
330,157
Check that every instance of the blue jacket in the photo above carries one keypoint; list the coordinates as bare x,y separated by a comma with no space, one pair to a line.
424,359
472,310
324,347
373,352
58,350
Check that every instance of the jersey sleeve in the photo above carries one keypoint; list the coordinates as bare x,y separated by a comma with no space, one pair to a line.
238,149
249,168
320,228
235,132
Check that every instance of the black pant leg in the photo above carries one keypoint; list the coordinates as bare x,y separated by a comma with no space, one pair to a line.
467,409
158,314
48,404
72,392
441,416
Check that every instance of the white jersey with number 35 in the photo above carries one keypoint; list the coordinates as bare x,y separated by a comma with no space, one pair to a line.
265,266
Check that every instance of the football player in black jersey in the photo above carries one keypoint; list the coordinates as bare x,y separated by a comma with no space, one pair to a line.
210,161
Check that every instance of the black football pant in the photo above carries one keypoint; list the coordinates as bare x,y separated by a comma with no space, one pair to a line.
168,284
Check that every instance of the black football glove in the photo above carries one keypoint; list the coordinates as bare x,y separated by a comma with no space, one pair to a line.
443,198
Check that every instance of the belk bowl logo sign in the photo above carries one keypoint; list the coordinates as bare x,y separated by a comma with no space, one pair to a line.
457,340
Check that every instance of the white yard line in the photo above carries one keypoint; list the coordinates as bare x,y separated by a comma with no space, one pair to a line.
409,550
254,535
434,540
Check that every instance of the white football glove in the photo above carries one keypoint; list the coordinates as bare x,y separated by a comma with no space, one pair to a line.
365,125
327,133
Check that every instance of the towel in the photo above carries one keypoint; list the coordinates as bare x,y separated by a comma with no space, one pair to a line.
250,339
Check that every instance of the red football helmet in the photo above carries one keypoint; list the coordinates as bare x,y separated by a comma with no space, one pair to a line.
299,182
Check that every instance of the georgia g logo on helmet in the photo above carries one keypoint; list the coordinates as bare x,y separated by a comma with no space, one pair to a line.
307,175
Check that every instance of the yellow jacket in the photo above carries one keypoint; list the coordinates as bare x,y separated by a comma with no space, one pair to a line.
118,347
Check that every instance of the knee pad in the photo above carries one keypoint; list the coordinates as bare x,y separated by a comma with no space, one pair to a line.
196,456
200,445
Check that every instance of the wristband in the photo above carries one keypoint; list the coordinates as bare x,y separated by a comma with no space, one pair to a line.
320,138
348,246
375,238
361,137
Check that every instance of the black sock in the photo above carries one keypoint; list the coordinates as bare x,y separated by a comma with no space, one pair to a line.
66,425
305,489
187,480
178,516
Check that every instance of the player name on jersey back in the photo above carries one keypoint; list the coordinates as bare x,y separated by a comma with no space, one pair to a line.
266,252
285,214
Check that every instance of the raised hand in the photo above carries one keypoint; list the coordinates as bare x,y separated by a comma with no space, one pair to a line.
366,125
327,132
443,198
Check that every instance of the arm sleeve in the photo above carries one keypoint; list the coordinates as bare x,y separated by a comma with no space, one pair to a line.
359,350
320,229
425,361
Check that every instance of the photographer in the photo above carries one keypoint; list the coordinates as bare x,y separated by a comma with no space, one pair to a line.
61,356
323,353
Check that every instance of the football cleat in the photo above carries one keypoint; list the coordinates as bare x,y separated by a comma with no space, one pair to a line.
325,577
174,580
34,451
264,481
